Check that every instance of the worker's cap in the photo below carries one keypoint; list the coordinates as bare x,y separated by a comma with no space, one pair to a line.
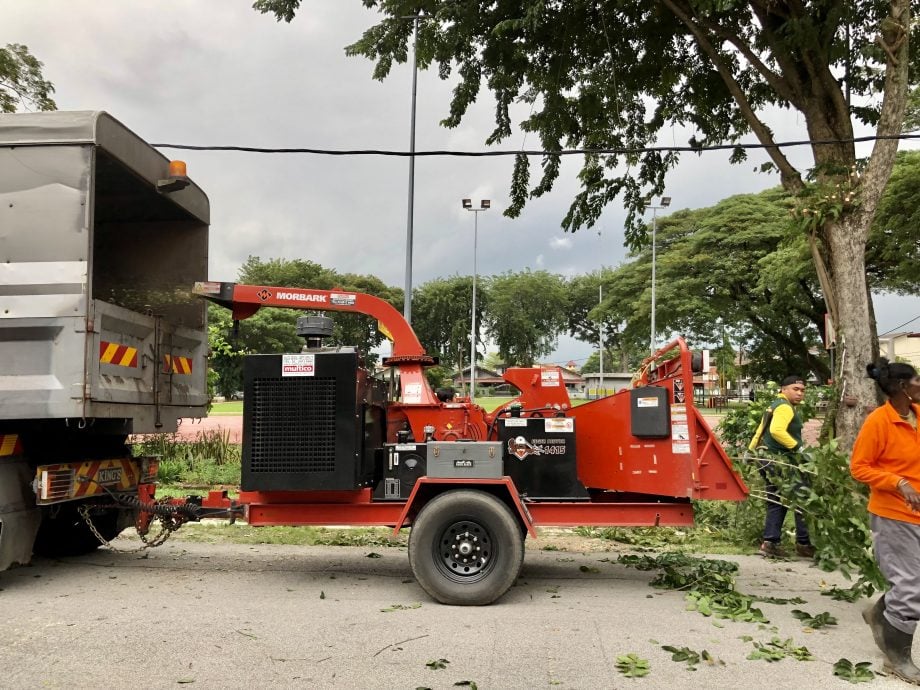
791,380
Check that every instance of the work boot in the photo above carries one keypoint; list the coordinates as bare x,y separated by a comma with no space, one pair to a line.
874,615
895,645
770,549
805,550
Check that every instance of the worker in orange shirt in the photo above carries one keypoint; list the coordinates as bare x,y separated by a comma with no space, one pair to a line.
886,456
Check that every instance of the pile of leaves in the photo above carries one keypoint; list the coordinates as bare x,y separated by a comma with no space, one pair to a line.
710,584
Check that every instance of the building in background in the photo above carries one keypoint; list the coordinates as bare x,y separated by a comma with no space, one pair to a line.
901,347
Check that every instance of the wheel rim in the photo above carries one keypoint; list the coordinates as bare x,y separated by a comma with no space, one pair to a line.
465,551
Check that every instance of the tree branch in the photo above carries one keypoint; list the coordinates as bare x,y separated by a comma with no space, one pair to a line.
776,81
894,32
791,178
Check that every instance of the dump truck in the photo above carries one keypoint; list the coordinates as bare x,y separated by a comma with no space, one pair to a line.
100,336
103,251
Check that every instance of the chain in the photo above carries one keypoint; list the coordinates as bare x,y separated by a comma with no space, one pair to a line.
168,525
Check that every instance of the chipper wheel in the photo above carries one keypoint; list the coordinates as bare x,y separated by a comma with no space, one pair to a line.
466,548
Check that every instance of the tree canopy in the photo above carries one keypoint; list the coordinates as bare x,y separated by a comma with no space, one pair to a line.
21,80
526,313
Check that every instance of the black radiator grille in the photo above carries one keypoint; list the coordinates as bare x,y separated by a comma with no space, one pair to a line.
293,425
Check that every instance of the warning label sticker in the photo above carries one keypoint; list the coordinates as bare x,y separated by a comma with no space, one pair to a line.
559,425
680,448
549,378
647,402
298,365
342,299
680,432
515,421
412,393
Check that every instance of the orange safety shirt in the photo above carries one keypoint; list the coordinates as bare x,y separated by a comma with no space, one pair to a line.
886,451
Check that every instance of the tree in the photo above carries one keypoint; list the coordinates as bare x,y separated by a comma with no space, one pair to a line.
441,317
525,314
613,75
894,245
738,265
592,364
349,329
269,330
625,346
21,81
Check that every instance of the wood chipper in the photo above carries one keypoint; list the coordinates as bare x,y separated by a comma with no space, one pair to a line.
324,443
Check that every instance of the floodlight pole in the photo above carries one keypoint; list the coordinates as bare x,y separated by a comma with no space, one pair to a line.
665,202
407,297
483,206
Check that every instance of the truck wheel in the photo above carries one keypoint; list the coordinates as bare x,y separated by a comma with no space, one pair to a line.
466,548
66,534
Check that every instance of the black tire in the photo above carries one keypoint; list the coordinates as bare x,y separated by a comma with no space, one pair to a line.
466,548
63,532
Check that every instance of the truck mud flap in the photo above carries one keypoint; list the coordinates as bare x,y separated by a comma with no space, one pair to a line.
19,518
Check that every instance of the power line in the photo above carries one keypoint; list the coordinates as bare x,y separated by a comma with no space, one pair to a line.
901,326
540,152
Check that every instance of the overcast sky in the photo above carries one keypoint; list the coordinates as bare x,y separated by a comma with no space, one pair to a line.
216,72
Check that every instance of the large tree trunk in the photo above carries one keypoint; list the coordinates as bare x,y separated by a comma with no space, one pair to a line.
846,243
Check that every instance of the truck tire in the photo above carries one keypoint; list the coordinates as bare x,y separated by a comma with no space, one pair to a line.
466,548
65,533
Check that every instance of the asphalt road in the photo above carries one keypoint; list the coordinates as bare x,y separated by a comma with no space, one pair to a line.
233,616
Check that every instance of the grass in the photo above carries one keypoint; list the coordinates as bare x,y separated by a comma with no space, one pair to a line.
241,533
231,408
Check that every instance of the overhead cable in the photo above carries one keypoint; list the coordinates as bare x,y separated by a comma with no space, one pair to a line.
906,323
540,152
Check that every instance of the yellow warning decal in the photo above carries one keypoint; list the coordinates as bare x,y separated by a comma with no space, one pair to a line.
10,445
177,365
119,355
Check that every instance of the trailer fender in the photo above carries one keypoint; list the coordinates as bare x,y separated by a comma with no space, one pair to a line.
427,488
19,517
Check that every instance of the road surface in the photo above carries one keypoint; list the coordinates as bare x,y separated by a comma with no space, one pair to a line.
205,615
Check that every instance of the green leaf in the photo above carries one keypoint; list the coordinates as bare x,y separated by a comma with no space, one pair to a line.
632,666
437,664
854,673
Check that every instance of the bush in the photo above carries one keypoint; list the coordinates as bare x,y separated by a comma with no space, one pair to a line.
208,460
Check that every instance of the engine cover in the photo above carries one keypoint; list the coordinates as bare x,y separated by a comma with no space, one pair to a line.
304,421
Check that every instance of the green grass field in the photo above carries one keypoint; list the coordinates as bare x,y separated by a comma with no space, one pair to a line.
235,407
232,408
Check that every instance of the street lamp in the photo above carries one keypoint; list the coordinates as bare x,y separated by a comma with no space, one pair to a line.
483,206
665,202
407,298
